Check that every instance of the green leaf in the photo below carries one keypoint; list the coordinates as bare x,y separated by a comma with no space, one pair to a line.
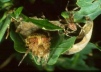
4,16
6,5
86,50
33,57
98,45
77,61
3,1
4,27
66,44
89,8
2,19
19,45
61,48
95,14
80,56
45,24
50,68
1,23
17,12
83,3
64,63
65,14
24,17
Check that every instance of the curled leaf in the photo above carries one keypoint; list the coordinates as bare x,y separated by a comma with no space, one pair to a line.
87,29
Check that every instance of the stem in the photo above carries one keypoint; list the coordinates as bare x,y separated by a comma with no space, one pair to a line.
24,56
7,61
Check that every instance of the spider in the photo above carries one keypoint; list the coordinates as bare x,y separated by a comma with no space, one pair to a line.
70,26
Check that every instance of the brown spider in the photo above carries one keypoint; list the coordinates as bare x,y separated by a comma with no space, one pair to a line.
70,26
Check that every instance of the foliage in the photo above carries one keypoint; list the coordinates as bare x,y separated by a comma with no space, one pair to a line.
77,61
89,8
59,43
60,48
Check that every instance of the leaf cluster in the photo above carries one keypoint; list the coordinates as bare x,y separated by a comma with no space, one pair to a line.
59,44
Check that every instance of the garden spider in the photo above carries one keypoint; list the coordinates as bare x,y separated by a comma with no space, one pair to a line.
70,26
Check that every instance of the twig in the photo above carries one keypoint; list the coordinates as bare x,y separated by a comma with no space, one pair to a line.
7,61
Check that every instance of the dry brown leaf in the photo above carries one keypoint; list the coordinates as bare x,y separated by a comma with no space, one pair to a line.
87,29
